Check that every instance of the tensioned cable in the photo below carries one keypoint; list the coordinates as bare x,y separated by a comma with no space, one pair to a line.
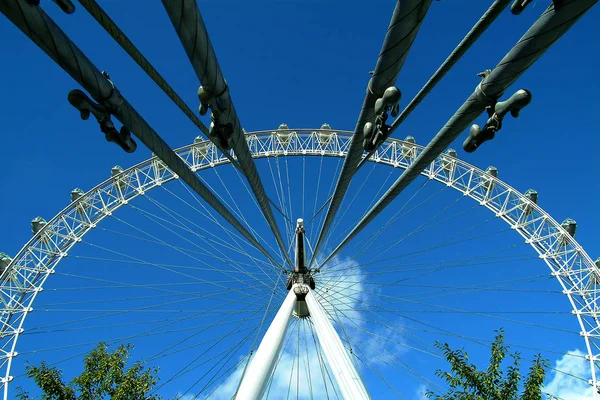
404,25
470,38
154,218
193,35
548,28
44,32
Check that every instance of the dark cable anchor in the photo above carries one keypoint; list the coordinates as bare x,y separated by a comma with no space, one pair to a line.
87,106
496,114
518,6
377,133
217,130
66,5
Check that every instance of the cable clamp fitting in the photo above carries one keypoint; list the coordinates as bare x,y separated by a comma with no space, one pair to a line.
102,113
496,113
219,133
375,134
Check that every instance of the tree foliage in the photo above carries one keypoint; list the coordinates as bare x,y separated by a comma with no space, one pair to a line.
466,382
104,377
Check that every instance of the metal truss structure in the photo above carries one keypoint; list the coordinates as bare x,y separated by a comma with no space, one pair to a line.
23,277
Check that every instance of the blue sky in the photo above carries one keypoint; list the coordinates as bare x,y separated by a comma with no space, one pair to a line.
305,63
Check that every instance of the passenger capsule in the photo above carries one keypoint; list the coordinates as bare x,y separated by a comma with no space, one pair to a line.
284,135
76,194
488,182
532,196
159,166
325,137
37,224
201,148
114,171
570,225
409,151
448,162
4,261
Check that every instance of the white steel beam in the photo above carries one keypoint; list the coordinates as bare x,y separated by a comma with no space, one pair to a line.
255,380
344,371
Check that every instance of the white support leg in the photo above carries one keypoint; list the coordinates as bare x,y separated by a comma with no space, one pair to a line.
340,364
254,381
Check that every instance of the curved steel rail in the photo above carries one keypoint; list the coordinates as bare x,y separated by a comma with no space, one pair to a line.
24,277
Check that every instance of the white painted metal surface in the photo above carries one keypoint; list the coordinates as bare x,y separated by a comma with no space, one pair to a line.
342,367
255,381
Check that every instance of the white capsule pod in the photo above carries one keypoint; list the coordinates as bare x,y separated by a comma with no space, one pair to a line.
532,197
408,150
119,181
569,225
200,148
159,166
5,260
488,178
37,224
76,194
325,135
449,160
594,278
284,135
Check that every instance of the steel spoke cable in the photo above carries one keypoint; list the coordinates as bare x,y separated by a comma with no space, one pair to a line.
182,226
214,220
319,215
346,207
397,215
470,38
279,193
177,266
117,34
171,270
160,243
253,232
155,218
245,309
460,311
402,31
191,30
443,243
401,363
373,265
231,235
426,266
188,367
487,344
366,242
237,212
284,203
545,31
51,39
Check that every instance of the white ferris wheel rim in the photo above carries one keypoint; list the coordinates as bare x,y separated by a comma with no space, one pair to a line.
27,272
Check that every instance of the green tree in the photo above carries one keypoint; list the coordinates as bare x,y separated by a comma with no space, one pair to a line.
104,377
466,382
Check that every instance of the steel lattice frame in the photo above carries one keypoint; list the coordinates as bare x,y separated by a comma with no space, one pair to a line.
24,277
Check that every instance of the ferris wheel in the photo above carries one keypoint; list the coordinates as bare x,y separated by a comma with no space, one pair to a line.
274,263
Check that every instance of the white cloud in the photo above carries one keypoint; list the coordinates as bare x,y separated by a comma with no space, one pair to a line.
564,385
420,394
